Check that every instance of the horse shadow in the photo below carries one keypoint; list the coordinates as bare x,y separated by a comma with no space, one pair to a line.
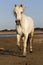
13,52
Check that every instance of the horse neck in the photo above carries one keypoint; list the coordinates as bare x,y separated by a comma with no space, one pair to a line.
22,20
23,17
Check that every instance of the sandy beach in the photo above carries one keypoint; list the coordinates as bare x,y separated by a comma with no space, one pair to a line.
11,55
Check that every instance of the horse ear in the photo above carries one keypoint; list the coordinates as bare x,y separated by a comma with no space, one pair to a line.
21,5
15,5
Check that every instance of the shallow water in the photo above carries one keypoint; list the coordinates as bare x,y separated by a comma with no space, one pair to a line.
6,35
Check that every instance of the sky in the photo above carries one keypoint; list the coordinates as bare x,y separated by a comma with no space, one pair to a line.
33,8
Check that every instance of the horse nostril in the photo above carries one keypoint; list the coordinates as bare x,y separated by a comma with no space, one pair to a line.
17,22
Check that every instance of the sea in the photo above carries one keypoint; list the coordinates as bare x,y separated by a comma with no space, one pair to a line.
6,35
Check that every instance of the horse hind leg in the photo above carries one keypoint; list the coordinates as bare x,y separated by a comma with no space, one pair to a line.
28,40
31,42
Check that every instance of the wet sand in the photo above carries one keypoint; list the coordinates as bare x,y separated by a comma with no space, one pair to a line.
11,55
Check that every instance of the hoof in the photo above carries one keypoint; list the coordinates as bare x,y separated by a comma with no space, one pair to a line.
19,48
24,55
30,51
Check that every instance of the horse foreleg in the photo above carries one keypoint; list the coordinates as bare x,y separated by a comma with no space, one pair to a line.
18,40
31,44
25,45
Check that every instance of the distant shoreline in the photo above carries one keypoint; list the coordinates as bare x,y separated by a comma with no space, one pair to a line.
7,32
14,32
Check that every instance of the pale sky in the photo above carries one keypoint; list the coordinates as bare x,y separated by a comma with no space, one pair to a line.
33,8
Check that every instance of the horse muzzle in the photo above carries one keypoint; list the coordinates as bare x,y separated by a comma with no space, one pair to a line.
17,22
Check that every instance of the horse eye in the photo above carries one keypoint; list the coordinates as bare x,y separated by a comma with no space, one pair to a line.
21,12
15,13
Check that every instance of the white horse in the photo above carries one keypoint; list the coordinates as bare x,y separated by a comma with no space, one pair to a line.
24,26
